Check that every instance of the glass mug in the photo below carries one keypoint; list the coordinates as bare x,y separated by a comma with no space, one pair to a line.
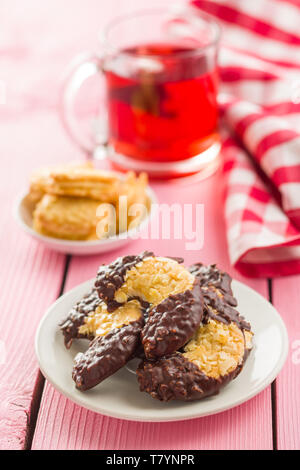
161,77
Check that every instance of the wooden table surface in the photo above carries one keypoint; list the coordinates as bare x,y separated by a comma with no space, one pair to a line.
37,40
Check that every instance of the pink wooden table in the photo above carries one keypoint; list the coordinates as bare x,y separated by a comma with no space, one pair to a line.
37,40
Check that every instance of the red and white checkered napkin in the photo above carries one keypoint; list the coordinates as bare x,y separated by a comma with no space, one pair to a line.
260,96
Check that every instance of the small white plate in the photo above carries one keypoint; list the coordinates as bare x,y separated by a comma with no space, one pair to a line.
23,215
119,395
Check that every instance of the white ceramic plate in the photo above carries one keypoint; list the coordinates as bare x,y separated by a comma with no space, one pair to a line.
119,395
23,215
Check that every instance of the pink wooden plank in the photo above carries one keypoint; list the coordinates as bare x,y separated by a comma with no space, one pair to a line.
37,41
36,47
286,298
33,56
30,136
30,279
61,424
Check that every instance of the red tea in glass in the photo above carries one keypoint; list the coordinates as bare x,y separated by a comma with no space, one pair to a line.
165,111
161,79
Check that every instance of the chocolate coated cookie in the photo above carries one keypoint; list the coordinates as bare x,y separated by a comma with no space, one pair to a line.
173,322
71,324
106,355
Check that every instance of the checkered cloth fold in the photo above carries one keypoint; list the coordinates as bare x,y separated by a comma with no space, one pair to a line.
260,103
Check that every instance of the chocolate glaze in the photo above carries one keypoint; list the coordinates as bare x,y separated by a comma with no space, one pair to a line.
105,355
176,258
212,276
174,377
173,322
110,278
70,325
216,308
218,296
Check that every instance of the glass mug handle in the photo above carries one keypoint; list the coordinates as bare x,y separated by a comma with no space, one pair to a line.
83,67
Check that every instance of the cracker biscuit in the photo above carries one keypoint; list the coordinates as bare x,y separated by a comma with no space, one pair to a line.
137,202
76,180
66,217
64,199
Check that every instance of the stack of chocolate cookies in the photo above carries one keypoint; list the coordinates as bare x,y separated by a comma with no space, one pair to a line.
181,322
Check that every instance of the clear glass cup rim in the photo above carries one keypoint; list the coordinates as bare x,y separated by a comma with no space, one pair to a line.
104,36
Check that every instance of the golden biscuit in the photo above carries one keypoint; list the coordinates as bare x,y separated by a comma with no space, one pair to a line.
136,203
64,200
41,179
134,187
76,180
66,217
